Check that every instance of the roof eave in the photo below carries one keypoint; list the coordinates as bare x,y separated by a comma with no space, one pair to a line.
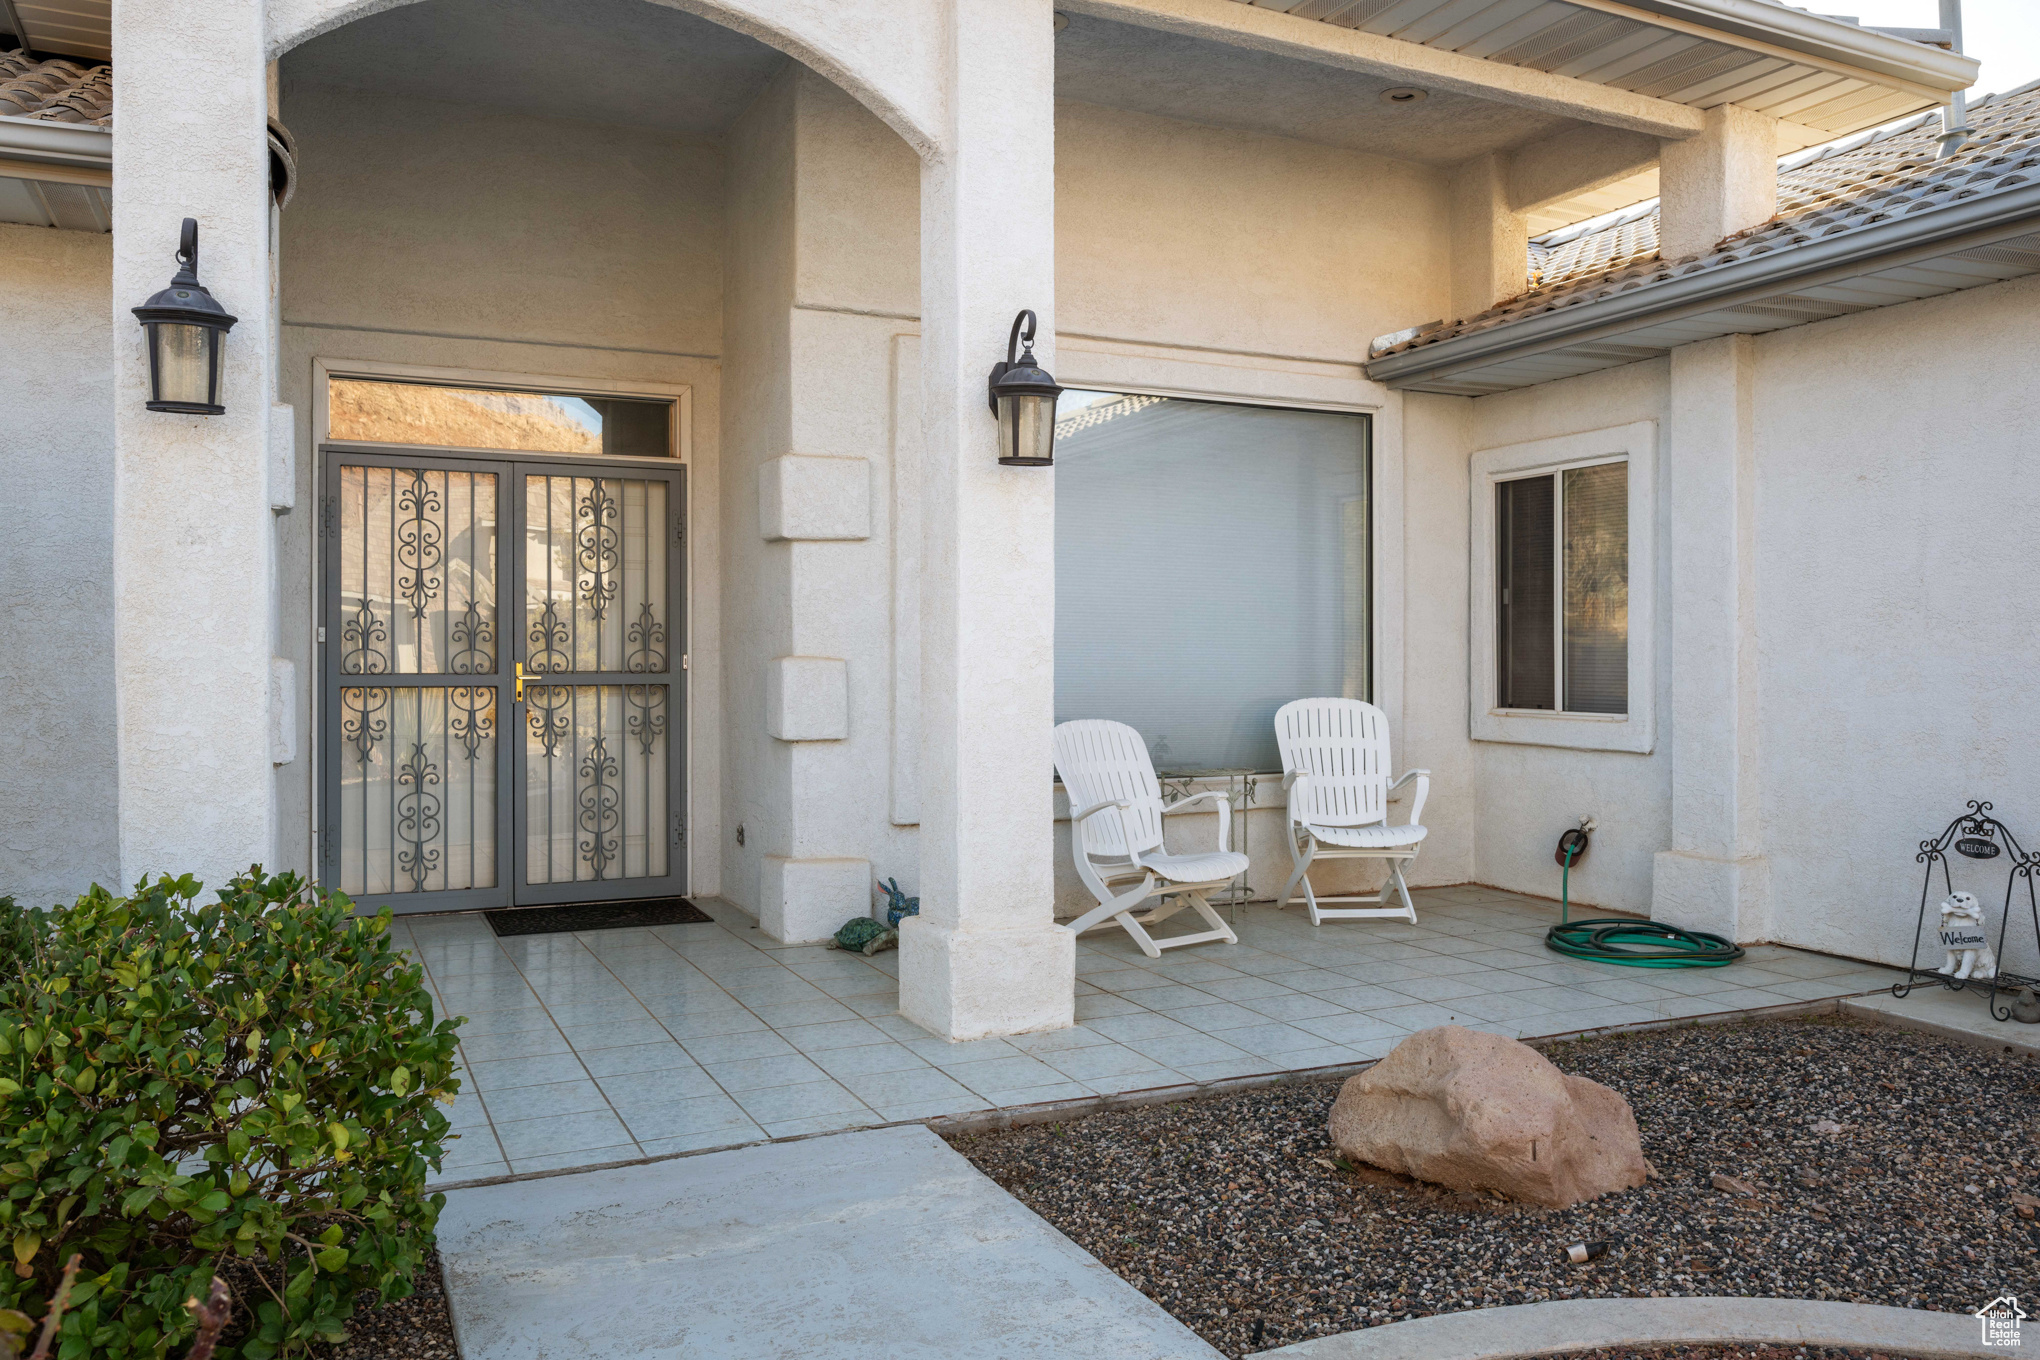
1814,35
1884,245
50,143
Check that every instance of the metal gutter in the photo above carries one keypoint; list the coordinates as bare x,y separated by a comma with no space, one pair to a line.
1887,245
1811,34
39,139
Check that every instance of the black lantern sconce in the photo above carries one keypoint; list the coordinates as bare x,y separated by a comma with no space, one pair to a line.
1022,395
185,329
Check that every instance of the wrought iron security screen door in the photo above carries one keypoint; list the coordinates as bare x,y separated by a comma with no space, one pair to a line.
501,705
598,770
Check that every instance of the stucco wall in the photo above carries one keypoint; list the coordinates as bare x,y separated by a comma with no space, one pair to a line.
444,236
1899,667
58,828
1526,795
1895,675
757,778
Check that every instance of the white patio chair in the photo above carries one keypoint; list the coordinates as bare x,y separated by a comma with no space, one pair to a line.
1335,767
1116,816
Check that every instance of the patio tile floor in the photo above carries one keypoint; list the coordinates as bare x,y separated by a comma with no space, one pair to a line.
617,1045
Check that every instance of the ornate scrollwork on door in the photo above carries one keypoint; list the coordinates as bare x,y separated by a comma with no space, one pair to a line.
549,636
473,636
418,813
471,716
547,714
598,548
420,542
361,641
600,814
646,639
362,725
646,721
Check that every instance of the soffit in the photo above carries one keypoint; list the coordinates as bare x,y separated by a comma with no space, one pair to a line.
1172,75
1802,68
72,28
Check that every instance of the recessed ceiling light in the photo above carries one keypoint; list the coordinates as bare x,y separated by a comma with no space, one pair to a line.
1404,94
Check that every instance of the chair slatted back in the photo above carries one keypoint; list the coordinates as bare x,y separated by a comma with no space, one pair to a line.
1342,744
1099,761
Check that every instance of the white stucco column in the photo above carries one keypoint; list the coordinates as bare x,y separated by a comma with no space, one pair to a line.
1715,877
985,955
192,522
1718,183
1490,239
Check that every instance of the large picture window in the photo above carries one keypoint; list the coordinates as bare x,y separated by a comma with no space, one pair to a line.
1562,590
1212,563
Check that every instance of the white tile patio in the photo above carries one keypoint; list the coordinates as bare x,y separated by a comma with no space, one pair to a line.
623,1044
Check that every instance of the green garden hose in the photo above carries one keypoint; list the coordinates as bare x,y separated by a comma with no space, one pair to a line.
1634,944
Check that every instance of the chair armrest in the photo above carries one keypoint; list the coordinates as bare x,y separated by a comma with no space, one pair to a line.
1077,820
1224,810
1293,783
1423,778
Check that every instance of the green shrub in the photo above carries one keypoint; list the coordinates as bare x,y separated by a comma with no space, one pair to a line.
245,1086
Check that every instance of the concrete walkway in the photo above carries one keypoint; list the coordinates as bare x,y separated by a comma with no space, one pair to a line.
876,1245
620,1045
1564,1325
1963,1016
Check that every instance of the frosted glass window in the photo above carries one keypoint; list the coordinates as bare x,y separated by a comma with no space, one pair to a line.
1211,564
1562,590
490,418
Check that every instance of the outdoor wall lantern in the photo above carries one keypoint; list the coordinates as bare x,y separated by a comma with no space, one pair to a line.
1022,395
185,328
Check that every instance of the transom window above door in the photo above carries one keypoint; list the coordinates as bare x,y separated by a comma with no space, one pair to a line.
381,411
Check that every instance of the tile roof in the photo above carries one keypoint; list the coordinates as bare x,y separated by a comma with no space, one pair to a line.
57,90
1827,192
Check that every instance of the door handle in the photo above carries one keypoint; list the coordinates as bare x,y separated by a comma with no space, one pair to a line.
521,677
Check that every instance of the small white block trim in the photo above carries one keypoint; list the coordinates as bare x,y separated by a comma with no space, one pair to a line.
814,499
807,698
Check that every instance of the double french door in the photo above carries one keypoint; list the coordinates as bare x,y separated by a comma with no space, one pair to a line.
501,680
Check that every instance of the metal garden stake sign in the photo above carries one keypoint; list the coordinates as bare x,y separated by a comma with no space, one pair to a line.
1963,936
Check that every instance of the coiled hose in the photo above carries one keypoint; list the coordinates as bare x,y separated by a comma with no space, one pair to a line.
1634,944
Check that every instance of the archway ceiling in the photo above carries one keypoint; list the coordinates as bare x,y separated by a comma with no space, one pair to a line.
622,62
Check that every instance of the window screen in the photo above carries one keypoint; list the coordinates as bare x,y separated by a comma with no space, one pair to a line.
1212,563
1597,589
1523,607
1562,558
487,418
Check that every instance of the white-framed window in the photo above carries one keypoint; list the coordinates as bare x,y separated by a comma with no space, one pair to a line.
1562,597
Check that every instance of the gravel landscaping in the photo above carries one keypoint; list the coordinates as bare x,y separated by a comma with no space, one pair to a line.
1232,1214
414,1328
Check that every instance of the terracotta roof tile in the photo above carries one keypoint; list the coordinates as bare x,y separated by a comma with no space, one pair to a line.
57,90
1868,179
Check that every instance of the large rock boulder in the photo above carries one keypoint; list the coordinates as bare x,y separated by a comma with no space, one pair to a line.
1474,1111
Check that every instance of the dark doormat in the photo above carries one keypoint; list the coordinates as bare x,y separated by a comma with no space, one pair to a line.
650,911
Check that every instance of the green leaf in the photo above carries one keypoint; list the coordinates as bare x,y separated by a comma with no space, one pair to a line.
400,1080
332,1258
25,1247
333,1234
